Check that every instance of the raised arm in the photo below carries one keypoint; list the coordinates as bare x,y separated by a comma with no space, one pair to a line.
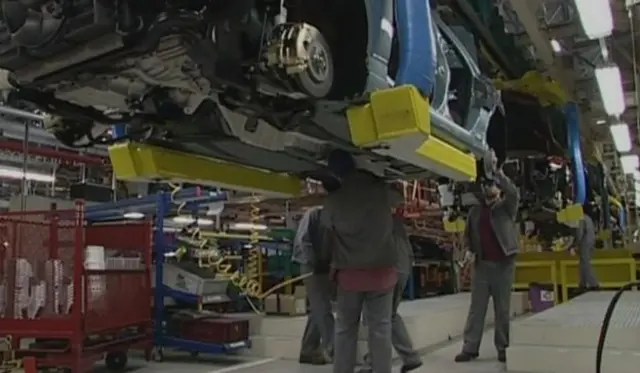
511,200
302,240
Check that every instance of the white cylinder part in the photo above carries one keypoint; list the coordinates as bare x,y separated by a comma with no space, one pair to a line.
24,273
94,259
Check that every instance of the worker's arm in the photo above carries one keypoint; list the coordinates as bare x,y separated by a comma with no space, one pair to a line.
511,200
302,241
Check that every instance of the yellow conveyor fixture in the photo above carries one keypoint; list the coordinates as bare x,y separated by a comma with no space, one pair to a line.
142,162
396,122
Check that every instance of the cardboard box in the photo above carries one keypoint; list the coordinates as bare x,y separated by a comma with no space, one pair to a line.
271,304
290,305
285,305
300,291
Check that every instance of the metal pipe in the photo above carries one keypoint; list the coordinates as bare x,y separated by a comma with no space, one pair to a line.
47,152
15,130
18,113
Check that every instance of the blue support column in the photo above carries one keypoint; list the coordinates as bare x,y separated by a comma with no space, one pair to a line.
572,116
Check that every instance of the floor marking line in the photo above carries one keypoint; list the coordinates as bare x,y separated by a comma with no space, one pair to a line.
247,365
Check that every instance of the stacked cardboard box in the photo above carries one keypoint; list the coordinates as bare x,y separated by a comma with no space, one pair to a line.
287,304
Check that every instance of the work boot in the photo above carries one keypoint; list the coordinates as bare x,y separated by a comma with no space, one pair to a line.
408,367
315,359
502,356
464,357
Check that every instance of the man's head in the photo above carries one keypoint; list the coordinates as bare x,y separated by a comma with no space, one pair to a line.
490,190
341,163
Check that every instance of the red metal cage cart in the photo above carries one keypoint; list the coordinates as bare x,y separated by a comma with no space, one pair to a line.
73,293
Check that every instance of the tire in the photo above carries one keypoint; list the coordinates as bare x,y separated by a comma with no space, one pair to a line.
311,83
116,361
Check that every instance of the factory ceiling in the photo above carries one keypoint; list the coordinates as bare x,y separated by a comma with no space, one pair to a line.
555,42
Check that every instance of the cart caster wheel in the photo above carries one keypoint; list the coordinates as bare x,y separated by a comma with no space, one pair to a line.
157,355
116,361
194,354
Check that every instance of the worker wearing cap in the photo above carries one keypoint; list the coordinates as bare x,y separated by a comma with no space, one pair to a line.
400,338
363,258
492,236
317,340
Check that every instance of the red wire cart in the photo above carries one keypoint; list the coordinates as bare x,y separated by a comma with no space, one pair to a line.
72,293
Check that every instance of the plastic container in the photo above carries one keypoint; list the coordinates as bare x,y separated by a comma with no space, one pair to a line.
541,296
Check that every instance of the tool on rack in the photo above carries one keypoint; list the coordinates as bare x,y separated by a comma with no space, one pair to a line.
211,257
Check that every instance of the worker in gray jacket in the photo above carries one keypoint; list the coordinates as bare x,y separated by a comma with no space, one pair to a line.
492,236
584,245
400,338
317,340
363,257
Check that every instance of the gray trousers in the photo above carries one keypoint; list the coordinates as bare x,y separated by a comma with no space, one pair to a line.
400,338
490,280
377,306
588,278
319,331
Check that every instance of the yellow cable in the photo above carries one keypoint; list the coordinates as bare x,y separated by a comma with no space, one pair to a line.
249,282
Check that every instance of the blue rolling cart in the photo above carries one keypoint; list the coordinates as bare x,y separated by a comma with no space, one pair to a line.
162,338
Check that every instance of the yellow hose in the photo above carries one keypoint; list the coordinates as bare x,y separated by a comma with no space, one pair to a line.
249,282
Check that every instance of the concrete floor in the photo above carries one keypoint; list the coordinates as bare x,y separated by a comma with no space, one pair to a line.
438,360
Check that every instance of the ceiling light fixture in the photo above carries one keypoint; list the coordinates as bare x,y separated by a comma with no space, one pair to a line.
204,222
596,17
248,227
180,219
555,45
629,163
133,215
610,85
621,137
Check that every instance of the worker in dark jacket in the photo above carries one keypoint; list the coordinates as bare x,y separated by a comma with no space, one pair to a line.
492,236
363,260
317,340
400,338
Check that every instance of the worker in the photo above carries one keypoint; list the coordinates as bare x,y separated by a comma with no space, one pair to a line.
400,338
492,236
317,340
363,257
584,245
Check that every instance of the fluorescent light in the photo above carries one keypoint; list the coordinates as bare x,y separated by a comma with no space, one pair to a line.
621,137
610,85
183,219
555,45
204,221
601,121
16,173
186,220
133,215
629,163
248,227
595,17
